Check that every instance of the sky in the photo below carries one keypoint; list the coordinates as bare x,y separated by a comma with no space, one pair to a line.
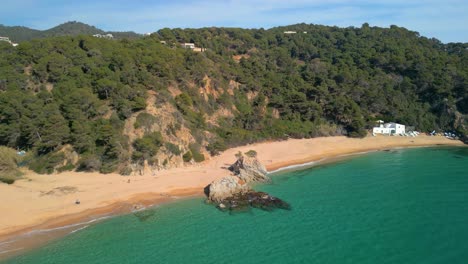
445,20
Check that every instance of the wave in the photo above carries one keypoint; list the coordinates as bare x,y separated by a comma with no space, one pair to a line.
67,226
40,231
81,228
297,166
315,162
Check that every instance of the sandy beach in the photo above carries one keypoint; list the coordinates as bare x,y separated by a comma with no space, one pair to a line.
48,201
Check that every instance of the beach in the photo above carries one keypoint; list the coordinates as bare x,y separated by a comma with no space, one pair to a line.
48,201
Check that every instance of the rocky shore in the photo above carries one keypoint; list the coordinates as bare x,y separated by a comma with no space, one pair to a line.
234,193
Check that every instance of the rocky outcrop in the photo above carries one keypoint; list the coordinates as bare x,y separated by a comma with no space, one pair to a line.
249,169
245,200
226,187
233,193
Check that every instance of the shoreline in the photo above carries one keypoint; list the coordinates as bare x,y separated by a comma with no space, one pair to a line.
298,165
171,185
33,237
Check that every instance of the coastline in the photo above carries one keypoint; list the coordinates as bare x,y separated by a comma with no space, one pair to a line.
44,202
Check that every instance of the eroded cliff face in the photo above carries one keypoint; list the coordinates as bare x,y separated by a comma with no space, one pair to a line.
234,193
166,116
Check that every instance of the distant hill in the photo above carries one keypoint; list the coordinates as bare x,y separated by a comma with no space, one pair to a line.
73,28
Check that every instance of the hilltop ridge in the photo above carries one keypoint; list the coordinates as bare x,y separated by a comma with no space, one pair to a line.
71,28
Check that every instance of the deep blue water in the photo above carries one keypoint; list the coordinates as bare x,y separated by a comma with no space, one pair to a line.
400,206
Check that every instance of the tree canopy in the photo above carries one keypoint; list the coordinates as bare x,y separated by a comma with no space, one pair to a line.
321,81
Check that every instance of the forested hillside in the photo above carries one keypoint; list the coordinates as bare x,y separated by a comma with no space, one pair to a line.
73,28
114,105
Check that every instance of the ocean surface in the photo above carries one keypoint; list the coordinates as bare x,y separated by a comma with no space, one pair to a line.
397,206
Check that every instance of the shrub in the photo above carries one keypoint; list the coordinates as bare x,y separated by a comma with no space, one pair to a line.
9,165
109,167
126,171
47,163
89,163
68,167
216,147
196,155
145,120
147,146
7,179
173,148
8,162
187,156
184,100
251,153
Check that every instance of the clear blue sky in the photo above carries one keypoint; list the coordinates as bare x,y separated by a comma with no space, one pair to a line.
445,20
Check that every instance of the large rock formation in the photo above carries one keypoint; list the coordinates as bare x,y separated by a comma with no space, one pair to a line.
225,187
233,193
249,169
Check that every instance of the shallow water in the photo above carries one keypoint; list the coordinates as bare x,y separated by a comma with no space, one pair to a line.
400,206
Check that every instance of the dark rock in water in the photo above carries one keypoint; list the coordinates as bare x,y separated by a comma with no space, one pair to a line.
144,215
260,200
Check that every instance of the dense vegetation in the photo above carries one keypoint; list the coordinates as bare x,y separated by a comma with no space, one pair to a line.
82,91
9,160
73,28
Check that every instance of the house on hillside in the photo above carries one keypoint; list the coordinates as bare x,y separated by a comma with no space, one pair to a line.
389,128
107,36
197,49
290,32
7,39
188,45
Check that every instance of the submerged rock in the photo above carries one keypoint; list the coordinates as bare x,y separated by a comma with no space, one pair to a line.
260,200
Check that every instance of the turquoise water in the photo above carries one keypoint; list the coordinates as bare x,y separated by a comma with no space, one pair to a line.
400,206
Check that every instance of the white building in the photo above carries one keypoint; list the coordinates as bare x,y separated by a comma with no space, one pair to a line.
7,39
188,45
107,36
389,128
290,32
